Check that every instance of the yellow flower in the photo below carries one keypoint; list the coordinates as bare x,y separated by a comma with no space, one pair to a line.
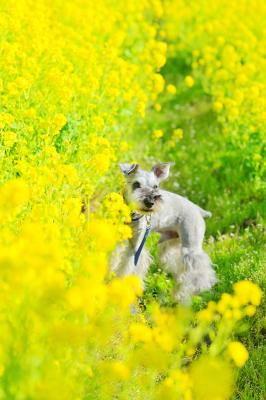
124,146
190,351
102,234
238,353
241,79
158,83
178,133
237,314
247,291
228,314
89,372
157,107
100,162
171,89
14,193
164,338
9,138
120,370
129,287
224,303
189,81
30,112
211,378
217,106
6,119
205,315
250,311
140,333
157,134
159,59
59,121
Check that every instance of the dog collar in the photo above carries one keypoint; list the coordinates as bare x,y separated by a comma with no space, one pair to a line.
136,217
146,234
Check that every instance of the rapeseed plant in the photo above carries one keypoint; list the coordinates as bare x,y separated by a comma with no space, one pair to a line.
74,76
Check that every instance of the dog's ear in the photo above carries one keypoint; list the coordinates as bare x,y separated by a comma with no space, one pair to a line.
161,170
129,169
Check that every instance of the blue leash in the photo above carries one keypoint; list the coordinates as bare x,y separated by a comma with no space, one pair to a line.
138,252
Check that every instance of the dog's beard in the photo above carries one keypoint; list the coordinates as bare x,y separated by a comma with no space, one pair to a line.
136,202
141,208
145,210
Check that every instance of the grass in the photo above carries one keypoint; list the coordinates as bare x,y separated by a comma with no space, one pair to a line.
209,170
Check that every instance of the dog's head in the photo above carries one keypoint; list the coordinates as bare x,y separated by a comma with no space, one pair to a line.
142,187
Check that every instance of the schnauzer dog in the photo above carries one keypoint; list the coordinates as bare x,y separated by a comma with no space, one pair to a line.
181,226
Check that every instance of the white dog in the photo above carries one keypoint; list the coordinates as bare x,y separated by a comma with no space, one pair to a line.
181,225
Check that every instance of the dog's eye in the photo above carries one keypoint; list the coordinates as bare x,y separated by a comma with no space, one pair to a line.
155,187
136,185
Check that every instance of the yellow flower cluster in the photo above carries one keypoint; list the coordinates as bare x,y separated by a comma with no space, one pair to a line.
158,134
224,46
73,77
167,338
171,89
238,353
247,296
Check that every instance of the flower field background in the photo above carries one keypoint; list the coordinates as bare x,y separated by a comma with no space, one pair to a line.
83,86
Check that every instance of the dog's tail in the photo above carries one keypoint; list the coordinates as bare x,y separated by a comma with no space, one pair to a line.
205,213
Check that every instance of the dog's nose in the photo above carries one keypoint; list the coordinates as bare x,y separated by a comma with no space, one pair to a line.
148,203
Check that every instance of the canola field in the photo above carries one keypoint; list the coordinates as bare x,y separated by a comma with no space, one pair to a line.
85,85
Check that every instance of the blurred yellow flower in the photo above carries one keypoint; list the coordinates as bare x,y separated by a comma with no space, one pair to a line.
247,291
140,333
212,378
250,311
189,81
89,372
178,133
124,146
171,89
120,370
217,106
9,138
158,133
157,107
59,121
238,353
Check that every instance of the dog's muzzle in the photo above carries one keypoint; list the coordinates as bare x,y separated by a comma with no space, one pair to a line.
148,203
151,200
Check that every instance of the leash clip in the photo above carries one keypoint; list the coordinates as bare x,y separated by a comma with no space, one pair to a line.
148,220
